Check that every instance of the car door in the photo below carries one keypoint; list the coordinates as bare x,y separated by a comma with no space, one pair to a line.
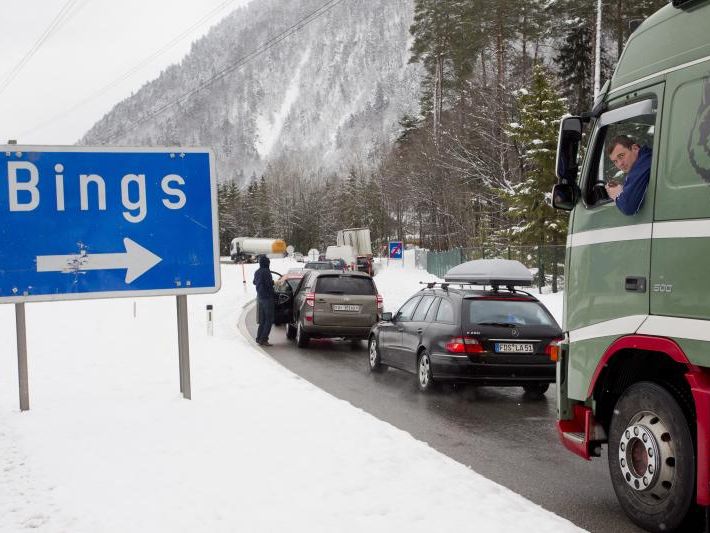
283,303
443,326
412,333
391,335
609,253
300,295
345,300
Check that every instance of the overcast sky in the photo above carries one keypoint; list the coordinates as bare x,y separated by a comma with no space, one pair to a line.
93,46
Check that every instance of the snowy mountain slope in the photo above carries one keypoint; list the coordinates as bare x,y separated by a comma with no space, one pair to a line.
332,92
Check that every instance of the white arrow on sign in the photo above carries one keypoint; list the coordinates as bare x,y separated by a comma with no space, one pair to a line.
137,260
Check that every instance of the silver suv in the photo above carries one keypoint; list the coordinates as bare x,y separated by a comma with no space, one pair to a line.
331,303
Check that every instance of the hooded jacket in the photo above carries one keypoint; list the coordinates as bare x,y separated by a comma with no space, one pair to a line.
263,280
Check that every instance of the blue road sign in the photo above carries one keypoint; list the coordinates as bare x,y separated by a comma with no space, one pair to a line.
396,250
80,222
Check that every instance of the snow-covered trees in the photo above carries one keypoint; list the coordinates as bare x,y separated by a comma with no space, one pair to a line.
540,108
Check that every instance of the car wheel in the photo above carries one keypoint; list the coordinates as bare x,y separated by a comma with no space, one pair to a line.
537,390
302,337
652,458
375,359
425,378
290,331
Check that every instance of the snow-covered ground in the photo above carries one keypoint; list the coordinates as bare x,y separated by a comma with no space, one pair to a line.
110,445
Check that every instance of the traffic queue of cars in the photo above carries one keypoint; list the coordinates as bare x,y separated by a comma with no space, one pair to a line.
454,331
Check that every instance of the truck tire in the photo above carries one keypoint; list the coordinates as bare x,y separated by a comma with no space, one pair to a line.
652,457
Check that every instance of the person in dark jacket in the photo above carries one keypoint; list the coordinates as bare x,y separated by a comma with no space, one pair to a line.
265,299
635,162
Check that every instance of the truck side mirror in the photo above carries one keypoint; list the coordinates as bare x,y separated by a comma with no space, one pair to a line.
568,148
565,196
387,317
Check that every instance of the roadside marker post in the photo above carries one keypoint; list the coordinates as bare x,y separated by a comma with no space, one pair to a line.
210,323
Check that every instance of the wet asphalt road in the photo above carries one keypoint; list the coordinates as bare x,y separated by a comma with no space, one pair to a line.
498,432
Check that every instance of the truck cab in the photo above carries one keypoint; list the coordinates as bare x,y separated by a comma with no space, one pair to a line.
634,371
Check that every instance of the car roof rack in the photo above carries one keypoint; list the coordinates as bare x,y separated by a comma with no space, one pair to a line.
432,284
495,272
495,287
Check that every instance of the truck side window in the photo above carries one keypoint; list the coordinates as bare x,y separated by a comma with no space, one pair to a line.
635,122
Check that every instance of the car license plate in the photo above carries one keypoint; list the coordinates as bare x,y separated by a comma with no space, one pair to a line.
509,347
338,307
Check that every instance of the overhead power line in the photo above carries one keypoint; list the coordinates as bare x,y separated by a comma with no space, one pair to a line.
267,45
128,73
64,15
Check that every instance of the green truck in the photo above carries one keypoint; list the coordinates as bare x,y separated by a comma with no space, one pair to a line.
634,369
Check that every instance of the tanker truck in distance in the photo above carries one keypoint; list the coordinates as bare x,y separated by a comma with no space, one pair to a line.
247,249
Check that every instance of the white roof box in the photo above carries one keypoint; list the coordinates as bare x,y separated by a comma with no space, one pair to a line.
490,272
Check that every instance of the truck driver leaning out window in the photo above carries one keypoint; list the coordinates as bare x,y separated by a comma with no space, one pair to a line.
634,161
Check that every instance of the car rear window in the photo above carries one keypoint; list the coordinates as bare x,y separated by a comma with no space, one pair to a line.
355,285
506,313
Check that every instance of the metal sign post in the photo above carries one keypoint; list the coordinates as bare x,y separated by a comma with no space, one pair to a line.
183,347
83,222
22,357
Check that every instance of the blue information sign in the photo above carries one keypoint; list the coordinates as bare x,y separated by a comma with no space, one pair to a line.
396,250
80,222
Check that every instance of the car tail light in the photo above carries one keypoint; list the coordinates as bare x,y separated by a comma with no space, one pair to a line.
380,303
553,349
464,345
311,299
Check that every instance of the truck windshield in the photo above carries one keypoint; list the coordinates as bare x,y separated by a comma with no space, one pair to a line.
507,313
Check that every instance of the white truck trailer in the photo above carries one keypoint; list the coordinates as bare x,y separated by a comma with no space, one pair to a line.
359,239
246,249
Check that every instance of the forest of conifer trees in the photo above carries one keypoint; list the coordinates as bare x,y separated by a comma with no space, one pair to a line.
475,166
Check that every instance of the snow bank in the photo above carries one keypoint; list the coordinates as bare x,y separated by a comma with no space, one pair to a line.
109,444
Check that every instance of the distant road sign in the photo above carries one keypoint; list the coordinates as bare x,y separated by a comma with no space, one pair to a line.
79,222
396,250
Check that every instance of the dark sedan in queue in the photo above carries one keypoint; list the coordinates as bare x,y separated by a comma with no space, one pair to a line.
487,337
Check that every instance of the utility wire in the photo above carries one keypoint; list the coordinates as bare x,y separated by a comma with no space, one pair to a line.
59,20
267,45
127,74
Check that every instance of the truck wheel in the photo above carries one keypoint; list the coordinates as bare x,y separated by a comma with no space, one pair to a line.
425,378
290,331
301,336
375,360
652,458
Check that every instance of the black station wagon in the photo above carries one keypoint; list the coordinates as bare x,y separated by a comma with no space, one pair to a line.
499,336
